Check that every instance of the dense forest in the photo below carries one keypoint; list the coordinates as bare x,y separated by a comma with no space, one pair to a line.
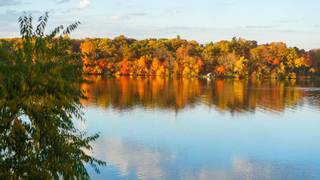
237,58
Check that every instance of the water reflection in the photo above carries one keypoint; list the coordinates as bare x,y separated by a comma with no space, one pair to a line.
224,129
144,163
223,95
135,161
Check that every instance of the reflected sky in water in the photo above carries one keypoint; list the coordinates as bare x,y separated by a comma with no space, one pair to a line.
192,129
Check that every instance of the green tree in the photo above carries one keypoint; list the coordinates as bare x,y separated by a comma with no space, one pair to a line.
39,99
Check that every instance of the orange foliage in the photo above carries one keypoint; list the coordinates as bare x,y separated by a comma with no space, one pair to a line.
220,70
124,67
276,62
177,57
87,47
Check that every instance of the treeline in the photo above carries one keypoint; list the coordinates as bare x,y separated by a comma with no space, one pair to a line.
178,57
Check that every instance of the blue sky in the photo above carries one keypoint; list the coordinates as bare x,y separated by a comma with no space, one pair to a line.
292,21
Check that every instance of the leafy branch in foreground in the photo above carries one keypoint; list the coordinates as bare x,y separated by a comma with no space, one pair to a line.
39,99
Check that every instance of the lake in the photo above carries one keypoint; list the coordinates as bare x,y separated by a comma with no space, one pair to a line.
160,128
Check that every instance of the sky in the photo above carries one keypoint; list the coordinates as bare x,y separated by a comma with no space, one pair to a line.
292,21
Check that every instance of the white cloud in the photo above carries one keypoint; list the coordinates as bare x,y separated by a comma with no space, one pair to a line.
84,3
62,1
9,2
128,16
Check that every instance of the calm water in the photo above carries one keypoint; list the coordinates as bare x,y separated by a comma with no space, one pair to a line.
197,129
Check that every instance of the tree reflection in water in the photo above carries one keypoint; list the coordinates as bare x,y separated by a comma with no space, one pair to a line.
40,96
235,96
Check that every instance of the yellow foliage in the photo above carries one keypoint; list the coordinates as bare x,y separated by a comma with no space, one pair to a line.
87,47
186,71
298,62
